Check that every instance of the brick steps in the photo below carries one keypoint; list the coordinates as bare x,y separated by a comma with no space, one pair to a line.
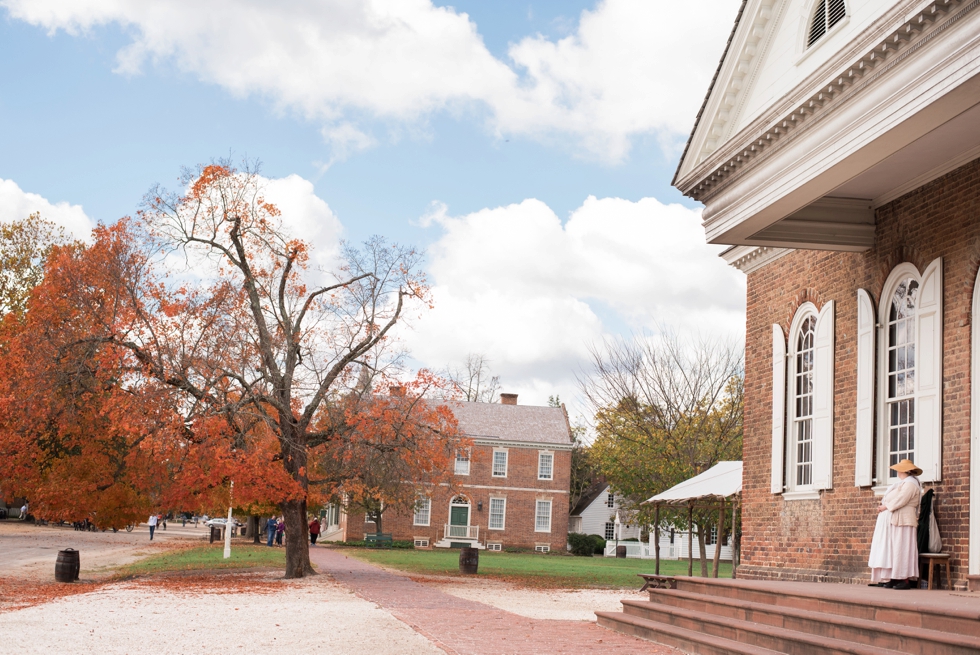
728,616
687,640
906,608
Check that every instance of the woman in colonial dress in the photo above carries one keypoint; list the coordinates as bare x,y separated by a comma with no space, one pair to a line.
894,559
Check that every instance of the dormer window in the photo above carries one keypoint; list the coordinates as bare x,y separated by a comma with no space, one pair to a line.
827,14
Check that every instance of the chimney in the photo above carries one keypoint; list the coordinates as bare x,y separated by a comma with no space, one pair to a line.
398,392
508,399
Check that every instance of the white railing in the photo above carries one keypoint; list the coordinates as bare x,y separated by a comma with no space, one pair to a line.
463,532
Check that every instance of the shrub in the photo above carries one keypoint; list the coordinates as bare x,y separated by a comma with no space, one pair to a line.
599,544
582,545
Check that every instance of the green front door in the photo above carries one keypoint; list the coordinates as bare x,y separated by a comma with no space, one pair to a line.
459,519
459,515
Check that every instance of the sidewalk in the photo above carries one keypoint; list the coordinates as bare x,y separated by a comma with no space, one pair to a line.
464,627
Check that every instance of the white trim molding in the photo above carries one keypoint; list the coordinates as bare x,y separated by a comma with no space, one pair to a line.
751,258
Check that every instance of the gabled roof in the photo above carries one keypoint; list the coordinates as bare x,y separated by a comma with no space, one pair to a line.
711,87
594,492
521,423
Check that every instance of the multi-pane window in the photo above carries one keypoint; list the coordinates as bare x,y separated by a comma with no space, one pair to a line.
542,516
500,463
610,532
803,402
827,14
423,509
462,462
901,373
545,465
498,509
611,500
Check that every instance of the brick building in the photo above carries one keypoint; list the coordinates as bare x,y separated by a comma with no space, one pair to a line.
837,153
514,484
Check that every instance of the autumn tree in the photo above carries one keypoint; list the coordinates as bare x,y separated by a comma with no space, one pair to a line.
245,332
390,448
80,435
664,411
24,248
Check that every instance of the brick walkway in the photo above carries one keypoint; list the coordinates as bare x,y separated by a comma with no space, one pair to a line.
464,627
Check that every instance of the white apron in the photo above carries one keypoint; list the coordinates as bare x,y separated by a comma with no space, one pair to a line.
880,560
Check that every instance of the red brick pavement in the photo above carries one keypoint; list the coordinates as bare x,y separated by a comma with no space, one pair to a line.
464,627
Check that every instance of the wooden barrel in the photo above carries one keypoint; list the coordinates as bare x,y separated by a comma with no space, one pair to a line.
621,552
67,565
469,560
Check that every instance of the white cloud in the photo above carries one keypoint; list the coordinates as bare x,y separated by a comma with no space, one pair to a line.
17,204
632,67
306,216
516,284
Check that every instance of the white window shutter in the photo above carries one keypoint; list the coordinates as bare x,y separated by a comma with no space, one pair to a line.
778,406
864,447
823,399
929,374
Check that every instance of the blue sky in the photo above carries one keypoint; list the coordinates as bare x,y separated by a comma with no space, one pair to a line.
482,140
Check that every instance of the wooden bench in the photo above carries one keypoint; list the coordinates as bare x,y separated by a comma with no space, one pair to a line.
931,559
375,539
651,581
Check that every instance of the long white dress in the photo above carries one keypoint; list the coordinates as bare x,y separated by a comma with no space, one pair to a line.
880,560
905,549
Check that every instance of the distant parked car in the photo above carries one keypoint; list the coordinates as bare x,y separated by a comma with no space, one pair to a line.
220,523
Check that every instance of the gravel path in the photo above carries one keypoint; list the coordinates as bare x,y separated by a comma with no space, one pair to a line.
556,605
307,616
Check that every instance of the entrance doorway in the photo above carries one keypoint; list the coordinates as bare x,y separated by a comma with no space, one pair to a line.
459,517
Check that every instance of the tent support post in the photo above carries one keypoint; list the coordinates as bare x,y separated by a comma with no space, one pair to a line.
690,539
656,536
718,541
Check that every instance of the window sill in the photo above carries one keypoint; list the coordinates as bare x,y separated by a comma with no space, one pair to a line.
879,492
803,494
548,531
545,479
496,529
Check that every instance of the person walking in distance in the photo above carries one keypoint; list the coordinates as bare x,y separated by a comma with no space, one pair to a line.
280,531
270,527
153,525
314,530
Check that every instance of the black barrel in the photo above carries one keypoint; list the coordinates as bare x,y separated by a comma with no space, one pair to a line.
469,560
621,552
67,565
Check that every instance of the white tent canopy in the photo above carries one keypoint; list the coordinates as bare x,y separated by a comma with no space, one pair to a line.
723,480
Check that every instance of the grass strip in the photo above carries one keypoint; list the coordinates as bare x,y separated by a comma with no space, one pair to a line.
533,570
208,558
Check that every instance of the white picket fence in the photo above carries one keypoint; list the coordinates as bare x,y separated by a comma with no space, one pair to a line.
677,550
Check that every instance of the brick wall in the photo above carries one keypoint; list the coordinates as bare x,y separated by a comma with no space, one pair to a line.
829,539
521,488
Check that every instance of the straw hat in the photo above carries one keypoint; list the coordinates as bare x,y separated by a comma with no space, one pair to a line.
906,466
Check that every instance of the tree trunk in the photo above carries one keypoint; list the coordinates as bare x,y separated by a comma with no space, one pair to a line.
297,539
721,539
702,550
377,522
254,529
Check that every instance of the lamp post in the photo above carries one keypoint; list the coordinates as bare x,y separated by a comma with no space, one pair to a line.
228,525
616,531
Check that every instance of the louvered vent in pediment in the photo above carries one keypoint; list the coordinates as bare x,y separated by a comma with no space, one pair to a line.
827,14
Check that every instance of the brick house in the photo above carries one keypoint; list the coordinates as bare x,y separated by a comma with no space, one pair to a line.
837,153
514,484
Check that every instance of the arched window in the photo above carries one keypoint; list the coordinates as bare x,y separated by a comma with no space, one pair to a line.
909,401
825,16
900,363
802,425
803,404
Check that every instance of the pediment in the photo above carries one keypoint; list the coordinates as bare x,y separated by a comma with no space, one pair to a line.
768,58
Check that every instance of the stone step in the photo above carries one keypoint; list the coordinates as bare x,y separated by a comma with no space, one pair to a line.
913,641
910,608
781,640
689,641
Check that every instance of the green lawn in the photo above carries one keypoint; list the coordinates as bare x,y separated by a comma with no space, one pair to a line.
551,571
208,558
